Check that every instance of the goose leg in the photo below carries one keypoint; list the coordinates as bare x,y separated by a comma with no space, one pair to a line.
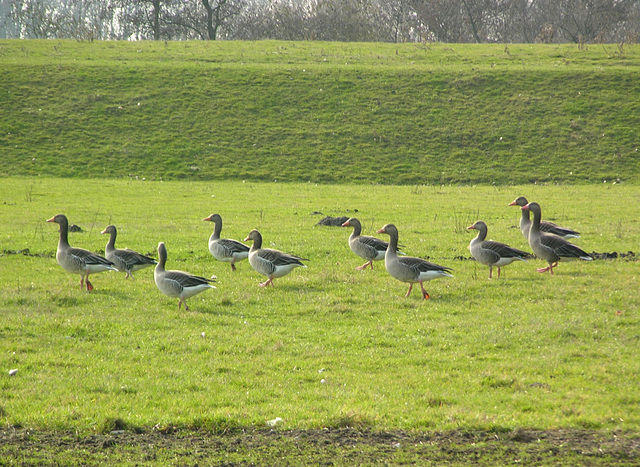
549,268
409,291
89,284
425,295
490,272
364,266
498,272
233,266
267,282
180,302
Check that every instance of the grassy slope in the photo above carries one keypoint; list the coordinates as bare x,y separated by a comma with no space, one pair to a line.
325,112
529,350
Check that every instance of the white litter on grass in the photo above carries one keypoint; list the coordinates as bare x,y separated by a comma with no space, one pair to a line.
274,422
13,372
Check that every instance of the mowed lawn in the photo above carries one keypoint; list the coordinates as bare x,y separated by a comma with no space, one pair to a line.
328,346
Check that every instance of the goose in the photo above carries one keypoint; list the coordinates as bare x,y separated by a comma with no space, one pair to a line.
225,249
491,253
408,268
178,283
268,262
550,248
127,261
77,260
545,226
370,248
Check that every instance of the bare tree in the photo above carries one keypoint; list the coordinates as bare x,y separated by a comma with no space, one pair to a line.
213,17
592,20
335,20
34,19
141,19
155,22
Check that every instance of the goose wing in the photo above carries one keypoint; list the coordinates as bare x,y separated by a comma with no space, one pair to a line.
278,258
132,258
504,251
420,265
378,246
563,248
373,242
569,250
233,246
550,227
88,257
185,279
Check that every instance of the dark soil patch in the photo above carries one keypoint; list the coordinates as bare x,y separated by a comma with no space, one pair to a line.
322,447
333,221
628,256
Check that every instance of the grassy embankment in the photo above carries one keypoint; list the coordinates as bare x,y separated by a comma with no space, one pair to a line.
320,112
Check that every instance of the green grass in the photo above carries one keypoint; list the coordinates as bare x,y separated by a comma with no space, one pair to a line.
402,114
152,137
328,346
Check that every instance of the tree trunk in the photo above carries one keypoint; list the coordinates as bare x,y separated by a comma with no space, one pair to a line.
474,28
213,17
156,20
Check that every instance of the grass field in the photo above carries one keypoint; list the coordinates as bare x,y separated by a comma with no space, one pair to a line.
328,346
402,114
153,137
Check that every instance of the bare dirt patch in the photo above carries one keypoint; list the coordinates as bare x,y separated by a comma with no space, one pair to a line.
320,447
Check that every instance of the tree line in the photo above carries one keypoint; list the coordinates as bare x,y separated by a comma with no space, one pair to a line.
463,21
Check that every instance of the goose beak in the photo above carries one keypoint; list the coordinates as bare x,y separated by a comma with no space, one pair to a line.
512,203
525,208
346,224
53,219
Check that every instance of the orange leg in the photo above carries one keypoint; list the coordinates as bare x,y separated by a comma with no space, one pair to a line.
267,282
549,268
425,295
409,291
